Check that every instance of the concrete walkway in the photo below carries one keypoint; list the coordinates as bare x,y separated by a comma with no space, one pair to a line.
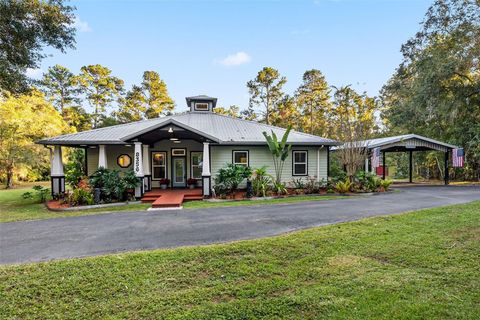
59,238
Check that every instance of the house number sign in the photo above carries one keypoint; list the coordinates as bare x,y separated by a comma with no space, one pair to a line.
137,161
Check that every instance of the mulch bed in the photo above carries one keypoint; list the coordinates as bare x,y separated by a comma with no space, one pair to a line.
56,204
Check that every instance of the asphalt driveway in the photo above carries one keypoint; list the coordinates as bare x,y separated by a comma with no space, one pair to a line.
30,241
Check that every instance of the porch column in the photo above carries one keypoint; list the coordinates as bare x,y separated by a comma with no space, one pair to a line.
147,180
206,179
446,168
383,164
102,156
57,176
138,168
366,164
410,166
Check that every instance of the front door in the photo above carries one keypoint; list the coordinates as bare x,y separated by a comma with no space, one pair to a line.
179,174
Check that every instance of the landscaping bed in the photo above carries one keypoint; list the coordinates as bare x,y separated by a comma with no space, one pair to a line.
57,205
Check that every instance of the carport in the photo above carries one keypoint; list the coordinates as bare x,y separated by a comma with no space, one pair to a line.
406,143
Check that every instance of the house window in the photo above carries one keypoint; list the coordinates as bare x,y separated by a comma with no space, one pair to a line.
196,161
201,106
159,165
124,161
300,163
240,158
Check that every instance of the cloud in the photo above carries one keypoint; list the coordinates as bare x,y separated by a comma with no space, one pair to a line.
81,26
235,59
33,73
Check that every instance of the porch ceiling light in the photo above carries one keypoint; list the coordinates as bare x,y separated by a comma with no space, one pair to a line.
128,145
177,141
173,139
170,130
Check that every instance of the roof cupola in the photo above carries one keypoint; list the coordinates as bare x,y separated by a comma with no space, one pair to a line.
201,103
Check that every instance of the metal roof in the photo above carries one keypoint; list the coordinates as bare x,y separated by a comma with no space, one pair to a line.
219,128
380,142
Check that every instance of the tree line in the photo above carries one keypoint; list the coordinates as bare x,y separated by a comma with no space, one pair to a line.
435,91
103,91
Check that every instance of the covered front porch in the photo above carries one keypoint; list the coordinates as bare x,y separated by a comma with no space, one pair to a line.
171,156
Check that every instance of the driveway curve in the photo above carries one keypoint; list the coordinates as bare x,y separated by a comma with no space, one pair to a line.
31,241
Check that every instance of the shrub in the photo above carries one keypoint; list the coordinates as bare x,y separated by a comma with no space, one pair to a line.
261,182
74,168
130,180
112,185
343,187
232,175
40,192
385,184
279,188
367,181
298,183
311,186
80,196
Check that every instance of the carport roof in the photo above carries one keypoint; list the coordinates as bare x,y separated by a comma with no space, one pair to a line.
401,141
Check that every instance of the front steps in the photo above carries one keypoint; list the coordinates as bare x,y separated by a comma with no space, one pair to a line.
171,198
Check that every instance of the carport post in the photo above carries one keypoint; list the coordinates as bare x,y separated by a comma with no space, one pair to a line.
410,166
446,167
383,165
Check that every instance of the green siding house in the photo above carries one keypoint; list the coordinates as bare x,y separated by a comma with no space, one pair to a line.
194,144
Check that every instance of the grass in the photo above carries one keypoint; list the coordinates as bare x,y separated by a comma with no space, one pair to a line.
208,204
418,265
14,208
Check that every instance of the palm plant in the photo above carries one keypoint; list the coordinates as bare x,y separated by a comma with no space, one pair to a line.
280,151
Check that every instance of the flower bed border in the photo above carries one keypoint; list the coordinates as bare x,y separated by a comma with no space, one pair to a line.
93,206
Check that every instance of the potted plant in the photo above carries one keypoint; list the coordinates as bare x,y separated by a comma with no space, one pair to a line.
164,183
192,183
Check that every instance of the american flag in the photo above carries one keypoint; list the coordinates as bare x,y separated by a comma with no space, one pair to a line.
458,157
376,157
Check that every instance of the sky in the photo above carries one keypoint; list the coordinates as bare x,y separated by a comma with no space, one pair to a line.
215,47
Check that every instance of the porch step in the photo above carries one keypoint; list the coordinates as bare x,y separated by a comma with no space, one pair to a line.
171,198
149,199
168,200
191,197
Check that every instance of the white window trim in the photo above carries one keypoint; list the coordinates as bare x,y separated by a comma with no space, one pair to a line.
295,162
202,109
158,165
195,165
239,163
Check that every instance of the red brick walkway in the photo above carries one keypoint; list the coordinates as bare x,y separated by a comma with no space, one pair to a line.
171,198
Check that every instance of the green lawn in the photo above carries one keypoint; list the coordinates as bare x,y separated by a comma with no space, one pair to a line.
14,208
418,265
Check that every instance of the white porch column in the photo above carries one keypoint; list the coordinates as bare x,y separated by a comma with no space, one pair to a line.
318,164
56,172
147,180
138,168
366,164
102,156
206,180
